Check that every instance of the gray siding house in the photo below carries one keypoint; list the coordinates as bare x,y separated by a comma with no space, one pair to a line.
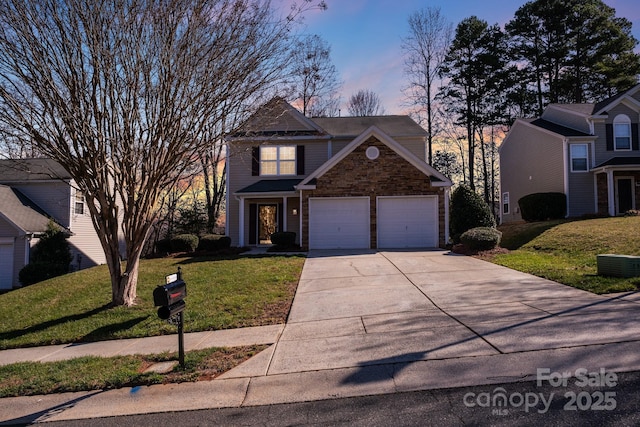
589,152
337,182
33,192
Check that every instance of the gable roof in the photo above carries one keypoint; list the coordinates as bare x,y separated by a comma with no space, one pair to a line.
277,118
21,212
438,179
606,104
351,127
20,170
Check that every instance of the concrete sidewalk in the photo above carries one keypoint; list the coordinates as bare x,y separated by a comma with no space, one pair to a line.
366,322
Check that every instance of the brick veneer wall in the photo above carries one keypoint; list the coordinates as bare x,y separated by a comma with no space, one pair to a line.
388,175
603,199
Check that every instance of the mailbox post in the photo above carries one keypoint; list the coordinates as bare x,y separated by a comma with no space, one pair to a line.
170,298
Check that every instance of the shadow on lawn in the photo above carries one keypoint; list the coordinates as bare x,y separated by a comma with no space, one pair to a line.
9,335
108,331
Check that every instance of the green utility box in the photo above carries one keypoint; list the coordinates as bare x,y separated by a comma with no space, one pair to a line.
618,265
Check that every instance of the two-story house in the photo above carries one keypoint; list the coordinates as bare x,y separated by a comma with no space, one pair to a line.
33,192
337,182
589,152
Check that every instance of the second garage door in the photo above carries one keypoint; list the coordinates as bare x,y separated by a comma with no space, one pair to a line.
408,222
339,223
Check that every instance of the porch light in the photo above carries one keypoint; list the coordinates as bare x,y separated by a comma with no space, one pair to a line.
294,211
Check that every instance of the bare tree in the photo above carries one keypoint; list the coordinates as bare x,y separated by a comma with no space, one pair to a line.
123,93
365,103
315,78
425,48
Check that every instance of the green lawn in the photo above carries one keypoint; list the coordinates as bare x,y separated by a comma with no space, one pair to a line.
222,293
565,251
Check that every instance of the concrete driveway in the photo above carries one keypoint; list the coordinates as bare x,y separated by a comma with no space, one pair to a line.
366,322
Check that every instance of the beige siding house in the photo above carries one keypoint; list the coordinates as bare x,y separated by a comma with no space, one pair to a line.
33,192
339,182
589,152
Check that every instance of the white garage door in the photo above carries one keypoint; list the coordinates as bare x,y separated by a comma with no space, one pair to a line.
408,222
339,223
6,266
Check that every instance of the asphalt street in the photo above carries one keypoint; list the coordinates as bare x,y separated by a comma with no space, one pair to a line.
612,402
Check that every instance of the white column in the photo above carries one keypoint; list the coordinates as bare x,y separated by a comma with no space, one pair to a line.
241,223
611,193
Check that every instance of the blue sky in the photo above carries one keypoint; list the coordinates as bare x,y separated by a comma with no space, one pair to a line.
365,37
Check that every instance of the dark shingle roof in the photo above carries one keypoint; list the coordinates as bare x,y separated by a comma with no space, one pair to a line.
621,161
21,211
271,186
31,170
556,128
350,127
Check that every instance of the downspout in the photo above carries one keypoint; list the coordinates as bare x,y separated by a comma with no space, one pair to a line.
446,216
241,223
300,219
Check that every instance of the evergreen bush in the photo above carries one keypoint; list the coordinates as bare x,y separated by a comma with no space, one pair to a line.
468,210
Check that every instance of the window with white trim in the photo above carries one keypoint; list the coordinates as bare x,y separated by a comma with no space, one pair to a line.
579,157
505,203
278,160
622,133
79,203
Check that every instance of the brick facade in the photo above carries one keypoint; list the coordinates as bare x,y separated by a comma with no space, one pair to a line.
601,186
388,175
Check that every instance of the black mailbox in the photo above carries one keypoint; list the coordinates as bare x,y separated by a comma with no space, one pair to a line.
169,294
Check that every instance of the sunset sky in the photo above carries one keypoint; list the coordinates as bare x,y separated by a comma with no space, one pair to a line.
365,37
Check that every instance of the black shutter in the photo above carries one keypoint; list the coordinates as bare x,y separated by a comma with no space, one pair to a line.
300,160
255,161
634,137
609,136
253,223
281,218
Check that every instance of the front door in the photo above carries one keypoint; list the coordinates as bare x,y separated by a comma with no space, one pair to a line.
624,199
267,223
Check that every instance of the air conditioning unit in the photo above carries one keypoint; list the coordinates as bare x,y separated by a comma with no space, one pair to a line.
618,265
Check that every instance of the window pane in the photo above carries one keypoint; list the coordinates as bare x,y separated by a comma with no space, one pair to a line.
268,153
622,130
623,143
578,151
287,168
268,168
287,153
579,164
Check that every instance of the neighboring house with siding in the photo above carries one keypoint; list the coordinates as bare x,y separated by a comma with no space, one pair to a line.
32,192
337,182
589,152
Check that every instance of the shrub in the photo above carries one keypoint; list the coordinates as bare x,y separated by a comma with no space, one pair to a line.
38,271
50,257
163,246
543,206
184,243
284,239
468,210
52,248
214,242
481,238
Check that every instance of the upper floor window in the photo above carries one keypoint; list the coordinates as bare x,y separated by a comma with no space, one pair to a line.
277,160
505,203
622,132
79,203
579,158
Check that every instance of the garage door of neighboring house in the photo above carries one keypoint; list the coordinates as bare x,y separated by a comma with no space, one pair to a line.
6,265
408,222
339,223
